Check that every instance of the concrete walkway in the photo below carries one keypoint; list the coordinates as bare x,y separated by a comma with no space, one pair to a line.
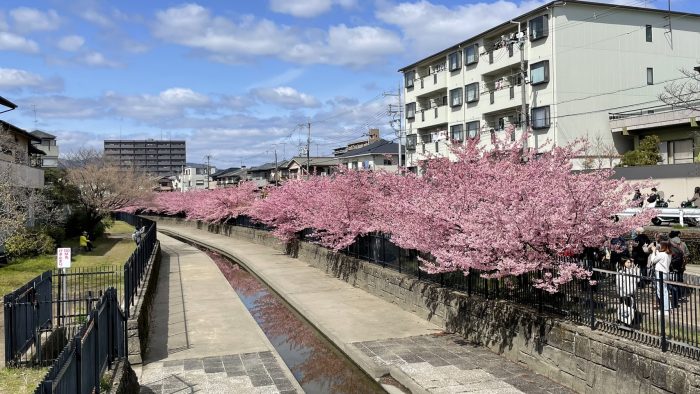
376,334
202,338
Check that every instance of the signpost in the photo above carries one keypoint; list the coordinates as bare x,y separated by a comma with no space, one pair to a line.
63,260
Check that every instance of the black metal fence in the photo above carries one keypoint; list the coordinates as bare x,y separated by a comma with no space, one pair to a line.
100,340
135,267
42,316
27,314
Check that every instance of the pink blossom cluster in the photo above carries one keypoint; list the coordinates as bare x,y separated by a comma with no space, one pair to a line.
212,206
504,212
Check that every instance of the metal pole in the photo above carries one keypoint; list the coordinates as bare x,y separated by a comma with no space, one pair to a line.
523,93
400,124
276,176
208,169
308,152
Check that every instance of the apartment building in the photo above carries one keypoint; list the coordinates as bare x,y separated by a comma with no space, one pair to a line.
583,60
163,158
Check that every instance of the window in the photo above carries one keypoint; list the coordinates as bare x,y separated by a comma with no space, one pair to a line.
676,152
473,129
539,72
411,141
455,59
501,124
540,117
410,76
200,183
387,162
539,27
650,76
472,92
410,111
471,54
649,36
457,133
456,97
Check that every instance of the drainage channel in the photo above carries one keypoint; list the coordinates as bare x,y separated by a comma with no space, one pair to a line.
316,363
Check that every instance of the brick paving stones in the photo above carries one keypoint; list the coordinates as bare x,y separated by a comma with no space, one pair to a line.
236,373
447,364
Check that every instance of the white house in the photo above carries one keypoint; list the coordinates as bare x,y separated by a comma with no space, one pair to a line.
195,176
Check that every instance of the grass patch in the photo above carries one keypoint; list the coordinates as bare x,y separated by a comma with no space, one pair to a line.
20,380
120,228
107,251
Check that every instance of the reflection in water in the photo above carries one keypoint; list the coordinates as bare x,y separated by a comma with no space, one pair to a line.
316,363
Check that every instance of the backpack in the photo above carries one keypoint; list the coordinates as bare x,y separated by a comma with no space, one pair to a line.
677,258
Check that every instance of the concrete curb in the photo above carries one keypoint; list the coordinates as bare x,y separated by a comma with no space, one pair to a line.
365,363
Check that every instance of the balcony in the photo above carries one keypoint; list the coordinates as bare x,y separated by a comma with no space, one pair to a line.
431,116
430,83
652,117
24,176
502,99
499,56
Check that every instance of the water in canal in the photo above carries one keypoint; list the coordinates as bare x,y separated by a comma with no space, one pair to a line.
316,363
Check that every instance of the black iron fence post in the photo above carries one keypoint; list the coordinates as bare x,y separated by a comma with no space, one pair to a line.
591,302
663,300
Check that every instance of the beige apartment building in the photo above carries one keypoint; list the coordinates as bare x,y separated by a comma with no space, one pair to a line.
584,62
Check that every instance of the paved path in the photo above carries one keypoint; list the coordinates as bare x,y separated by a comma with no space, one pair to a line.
378,335
203,339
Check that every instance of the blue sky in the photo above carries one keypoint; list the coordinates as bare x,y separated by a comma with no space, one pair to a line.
233,78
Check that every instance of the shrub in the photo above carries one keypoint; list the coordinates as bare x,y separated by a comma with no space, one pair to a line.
646,155
29,243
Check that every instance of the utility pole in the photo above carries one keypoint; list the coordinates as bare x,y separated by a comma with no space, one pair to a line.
397,113
520,38
308,151
276,172
208,169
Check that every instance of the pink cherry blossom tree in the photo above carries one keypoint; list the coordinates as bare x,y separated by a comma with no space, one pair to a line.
506,214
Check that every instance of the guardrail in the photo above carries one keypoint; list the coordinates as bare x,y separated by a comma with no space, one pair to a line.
680,213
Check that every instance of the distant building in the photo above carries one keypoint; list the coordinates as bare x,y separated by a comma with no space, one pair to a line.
296,167
229,177
163,158
20,156
195,176
49,147
373,135
381,155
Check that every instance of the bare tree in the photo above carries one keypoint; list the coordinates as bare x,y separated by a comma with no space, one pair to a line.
684,93
103,186
600,153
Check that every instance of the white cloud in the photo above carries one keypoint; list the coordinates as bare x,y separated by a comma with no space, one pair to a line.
286,97
3,23
96,59
13,42
169,104
307,8
431,27
193,26
231,41
95,17
30,19
71,43
351,46
13,79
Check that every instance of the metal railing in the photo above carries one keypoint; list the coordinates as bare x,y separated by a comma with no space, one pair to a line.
41,316
27,312
630,306
100,340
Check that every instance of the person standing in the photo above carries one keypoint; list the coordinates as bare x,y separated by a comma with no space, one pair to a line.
640,253
679,259
695,200
660,263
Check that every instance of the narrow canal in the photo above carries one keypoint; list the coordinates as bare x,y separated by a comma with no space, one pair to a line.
317,364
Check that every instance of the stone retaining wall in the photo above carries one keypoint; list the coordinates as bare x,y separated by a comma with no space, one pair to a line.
575,356
138,325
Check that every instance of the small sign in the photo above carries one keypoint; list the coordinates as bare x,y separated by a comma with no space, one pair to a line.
63,257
